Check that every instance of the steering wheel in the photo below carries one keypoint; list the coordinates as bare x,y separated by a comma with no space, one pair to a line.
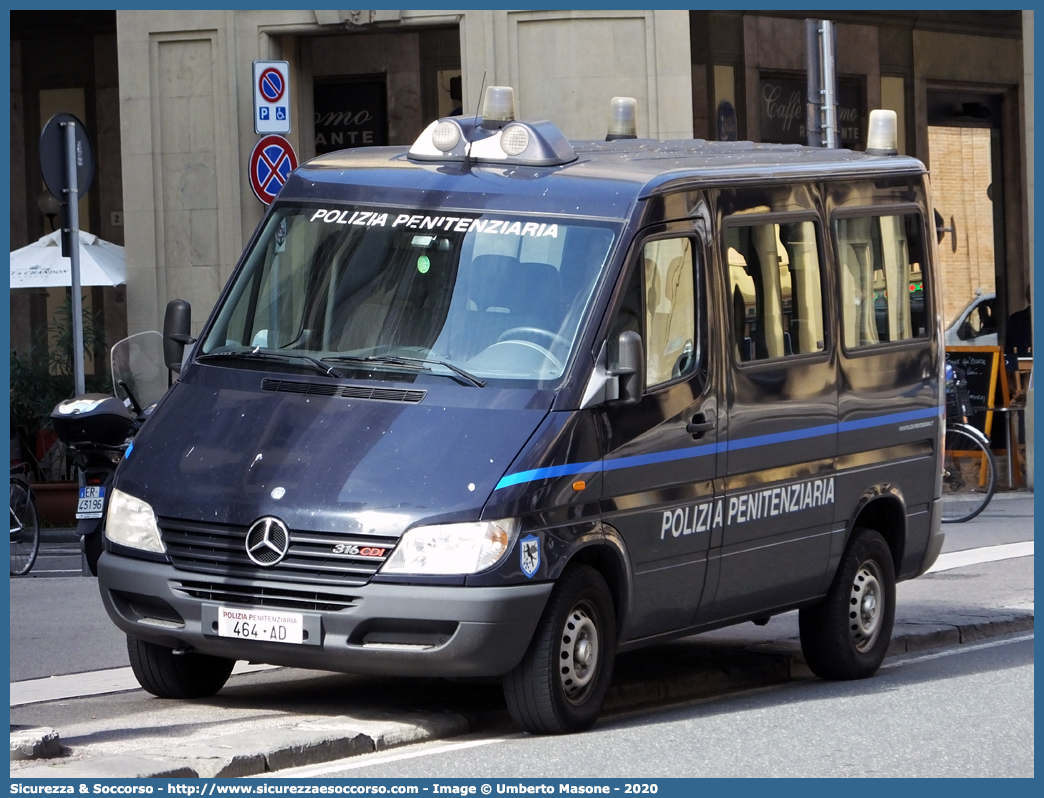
558,364
554,338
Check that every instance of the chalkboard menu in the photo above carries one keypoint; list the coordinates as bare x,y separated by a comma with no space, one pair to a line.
987,382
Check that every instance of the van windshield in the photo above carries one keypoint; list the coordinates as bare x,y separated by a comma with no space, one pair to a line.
497,296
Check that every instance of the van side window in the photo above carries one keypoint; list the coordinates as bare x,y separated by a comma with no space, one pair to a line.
670,309
882,282
776,287
667,316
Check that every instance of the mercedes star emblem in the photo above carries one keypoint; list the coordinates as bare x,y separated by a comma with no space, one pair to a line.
267,541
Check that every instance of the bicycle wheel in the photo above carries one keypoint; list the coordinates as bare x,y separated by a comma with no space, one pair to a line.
25,530
969,476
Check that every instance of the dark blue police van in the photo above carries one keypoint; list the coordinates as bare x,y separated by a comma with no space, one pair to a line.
505,404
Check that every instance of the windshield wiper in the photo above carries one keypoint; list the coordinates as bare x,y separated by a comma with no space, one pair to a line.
401,360
255,354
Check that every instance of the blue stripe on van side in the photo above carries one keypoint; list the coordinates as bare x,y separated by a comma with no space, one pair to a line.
569,469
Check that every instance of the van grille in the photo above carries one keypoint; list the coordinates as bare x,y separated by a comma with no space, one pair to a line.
265,596
344,391
221,549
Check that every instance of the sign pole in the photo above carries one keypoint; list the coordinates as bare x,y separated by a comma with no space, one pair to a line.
72,196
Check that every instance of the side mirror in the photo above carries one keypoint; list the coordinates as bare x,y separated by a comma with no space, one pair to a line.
177,323
629,369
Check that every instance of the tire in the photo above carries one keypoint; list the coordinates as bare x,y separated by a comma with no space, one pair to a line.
846,636
969,475
168,675
25,529
561,683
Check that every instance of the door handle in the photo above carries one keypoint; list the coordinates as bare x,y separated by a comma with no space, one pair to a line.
699,426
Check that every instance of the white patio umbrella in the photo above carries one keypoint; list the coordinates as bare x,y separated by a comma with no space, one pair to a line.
41,265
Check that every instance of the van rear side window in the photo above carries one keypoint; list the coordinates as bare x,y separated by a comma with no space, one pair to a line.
882,281
776,286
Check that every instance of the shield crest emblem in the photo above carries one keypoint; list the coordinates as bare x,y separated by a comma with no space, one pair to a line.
529,555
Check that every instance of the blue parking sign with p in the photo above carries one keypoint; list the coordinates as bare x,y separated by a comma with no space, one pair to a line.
262,113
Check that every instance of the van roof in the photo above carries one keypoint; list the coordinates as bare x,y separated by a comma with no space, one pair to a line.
630,169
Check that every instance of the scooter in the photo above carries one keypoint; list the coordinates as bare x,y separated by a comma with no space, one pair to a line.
97,429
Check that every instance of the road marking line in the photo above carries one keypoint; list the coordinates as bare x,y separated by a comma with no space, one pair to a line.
960,559
960,649
82,685
370,760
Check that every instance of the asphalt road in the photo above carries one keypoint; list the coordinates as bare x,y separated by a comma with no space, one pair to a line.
965,711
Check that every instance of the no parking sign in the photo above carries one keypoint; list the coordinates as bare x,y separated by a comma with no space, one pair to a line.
271,163
271,97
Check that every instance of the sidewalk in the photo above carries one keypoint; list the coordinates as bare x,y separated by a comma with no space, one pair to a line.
282,718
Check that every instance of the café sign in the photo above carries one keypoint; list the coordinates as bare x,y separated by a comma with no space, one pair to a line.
783,111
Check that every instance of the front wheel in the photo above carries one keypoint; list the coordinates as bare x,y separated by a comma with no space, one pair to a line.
560,685
846,636
25,529
168,675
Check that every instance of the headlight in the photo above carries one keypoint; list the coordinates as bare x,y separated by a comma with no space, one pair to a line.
130,522
452,548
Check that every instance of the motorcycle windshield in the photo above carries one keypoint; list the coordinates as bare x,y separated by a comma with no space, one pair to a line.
500,296
138,368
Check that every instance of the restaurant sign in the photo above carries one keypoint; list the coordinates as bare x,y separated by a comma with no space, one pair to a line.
784,110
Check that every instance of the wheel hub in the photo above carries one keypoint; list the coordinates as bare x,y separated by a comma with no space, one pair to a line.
866,606
578,653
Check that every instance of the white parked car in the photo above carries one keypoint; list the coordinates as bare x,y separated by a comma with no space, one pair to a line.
976,325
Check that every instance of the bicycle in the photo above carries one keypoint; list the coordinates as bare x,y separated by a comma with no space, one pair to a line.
969,477
25,524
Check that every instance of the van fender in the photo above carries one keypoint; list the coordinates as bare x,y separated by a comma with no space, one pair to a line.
606,552
881,508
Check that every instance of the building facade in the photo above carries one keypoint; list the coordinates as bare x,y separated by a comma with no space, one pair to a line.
167,97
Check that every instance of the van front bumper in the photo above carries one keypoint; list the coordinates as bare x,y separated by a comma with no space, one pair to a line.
391,629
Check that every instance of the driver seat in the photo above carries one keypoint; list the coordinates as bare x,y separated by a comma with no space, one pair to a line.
507,293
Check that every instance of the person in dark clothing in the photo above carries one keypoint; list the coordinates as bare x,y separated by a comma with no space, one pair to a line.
1018,336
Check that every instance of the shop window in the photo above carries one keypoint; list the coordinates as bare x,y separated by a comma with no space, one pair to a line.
350,112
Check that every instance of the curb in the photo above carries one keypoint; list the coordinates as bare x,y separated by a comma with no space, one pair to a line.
679,674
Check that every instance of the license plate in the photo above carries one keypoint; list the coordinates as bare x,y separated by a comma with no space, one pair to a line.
91,503
261,625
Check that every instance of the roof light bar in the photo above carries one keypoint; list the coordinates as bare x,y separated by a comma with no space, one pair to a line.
493,139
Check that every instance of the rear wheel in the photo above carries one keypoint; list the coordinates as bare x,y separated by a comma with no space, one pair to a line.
846,636
561,683
25,530
969,476
168,675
